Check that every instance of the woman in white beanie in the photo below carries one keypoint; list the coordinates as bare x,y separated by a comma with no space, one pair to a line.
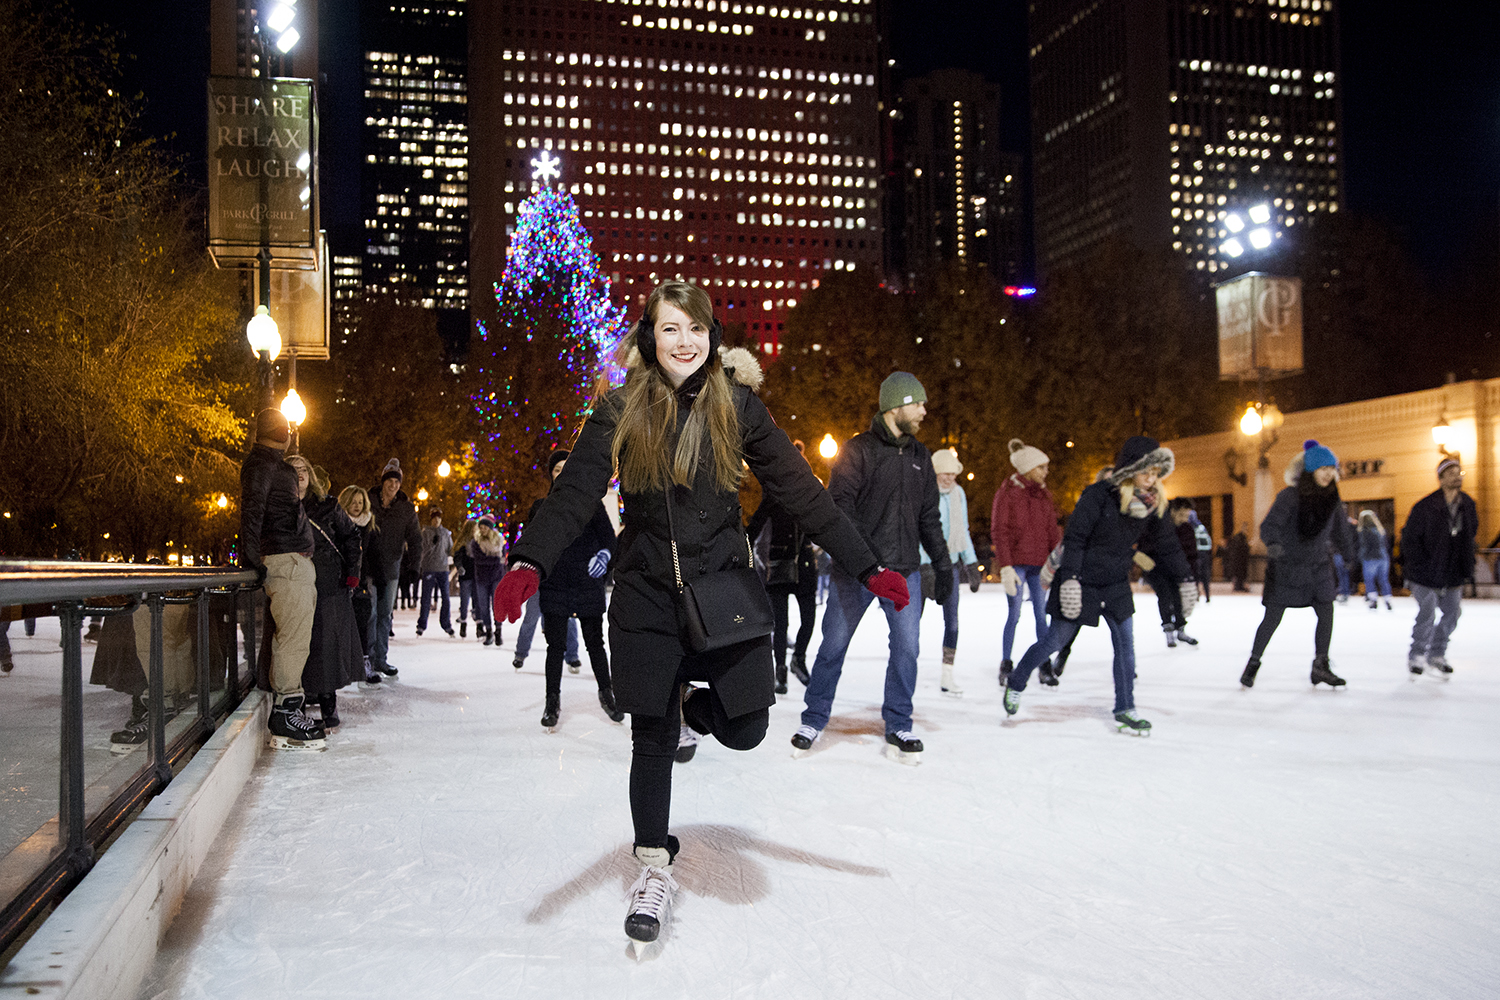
1023,528
953,509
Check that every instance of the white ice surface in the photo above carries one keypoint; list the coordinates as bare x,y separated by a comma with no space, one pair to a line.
1281,842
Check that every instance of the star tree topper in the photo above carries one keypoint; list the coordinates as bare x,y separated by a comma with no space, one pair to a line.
545,167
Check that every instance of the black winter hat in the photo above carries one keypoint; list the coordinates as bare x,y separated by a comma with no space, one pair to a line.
392,470
560,455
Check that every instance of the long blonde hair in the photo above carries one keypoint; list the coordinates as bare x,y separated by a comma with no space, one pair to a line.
648,416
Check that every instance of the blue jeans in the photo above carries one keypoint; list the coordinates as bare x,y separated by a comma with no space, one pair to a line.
381,608
1377,577
847,601
1341,570
435,582
528,629
465,595
1427,638
1061,633
950,614
1029,579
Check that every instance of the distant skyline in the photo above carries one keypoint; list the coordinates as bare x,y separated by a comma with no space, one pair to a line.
1421,105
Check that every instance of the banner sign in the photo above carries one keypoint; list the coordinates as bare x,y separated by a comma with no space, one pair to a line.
262,152
1260,326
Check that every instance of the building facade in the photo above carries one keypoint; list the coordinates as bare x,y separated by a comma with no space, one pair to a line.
1387,455
955,194
731,145
1153,120
414,181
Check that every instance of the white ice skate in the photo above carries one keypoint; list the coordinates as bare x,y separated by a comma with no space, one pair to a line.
903,747
949,685
650,900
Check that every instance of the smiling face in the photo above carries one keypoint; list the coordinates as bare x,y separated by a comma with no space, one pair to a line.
681,343
947,480
356,505
1323,476
388,490
302,479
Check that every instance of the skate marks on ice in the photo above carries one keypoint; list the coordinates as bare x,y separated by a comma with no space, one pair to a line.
715,862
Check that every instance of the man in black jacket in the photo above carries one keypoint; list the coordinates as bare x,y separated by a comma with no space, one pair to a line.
884,481
1437,557
276,541
395,531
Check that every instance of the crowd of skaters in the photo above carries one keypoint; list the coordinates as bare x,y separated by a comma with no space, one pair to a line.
892,522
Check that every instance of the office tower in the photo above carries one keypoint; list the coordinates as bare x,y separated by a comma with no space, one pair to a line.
733,145
415,176
956,195
348,293
1153,120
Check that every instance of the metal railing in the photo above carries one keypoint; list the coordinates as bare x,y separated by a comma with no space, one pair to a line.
40,867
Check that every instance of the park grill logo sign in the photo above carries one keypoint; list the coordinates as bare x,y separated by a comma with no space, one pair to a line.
1260,326
262,155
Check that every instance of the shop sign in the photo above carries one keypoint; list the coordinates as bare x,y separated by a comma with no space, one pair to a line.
1260,326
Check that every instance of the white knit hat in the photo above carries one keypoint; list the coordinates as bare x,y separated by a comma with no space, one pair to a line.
946,460
1024,457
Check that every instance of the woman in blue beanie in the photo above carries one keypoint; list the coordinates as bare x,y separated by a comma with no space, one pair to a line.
1306,516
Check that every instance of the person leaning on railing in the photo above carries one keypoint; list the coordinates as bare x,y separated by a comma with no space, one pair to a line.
276,541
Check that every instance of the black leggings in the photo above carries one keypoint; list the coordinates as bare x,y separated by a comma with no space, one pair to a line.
807,609
653,741
1168,600
1321,637
555,629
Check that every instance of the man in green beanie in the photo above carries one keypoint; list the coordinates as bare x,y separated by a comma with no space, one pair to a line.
884,481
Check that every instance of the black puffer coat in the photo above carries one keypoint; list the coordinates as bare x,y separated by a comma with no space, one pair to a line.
645,636
1299,571
568,589
1097,549
271,516
335,656
1436,551
887,487
399,532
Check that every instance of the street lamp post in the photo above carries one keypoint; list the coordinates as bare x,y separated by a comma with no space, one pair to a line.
265,341
295,412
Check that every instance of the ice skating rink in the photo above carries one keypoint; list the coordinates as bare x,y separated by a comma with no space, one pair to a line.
1282,842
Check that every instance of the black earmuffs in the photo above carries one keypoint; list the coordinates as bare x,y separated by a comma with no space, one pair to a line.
645,339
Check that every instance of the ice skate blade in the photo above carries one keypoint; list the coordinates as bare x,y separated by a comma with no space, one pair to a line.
287,743
953,692
645,951
121,749
900,756
1137,733
798,752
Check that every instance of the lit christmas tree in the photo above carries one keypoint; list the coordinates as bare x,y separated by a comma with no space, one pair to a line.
539,357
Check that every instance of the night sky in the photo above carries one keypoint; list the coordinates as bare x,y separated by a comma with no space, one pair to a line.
1421,106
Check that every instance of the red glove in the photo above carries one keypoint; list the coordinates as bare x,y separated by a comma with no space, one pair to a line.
351,582
890,585
515,589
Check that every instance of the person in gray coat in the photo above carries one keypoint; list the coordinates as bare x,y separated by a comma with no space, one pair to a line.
1306,517
437,550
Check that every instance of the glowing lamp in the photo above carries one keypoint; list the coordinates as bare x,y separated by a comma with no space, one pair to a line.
828,447
1442,433
288,40
293,408
1260,238
222,502
1260,214
1250,423
280,18
1232,247
1234,222
444,469
263,334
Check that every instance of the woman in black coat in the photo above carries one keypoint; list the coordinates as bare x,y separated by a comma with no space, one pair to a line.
791,571
335,657
1297,531
679,432
1111,518
575,587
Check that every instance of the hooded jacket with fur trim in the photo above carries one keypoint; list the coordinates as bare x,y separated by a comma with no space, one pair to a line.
645,636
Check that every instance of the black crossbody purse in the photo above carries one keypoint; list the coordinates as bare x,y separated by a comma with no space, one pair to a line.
724,608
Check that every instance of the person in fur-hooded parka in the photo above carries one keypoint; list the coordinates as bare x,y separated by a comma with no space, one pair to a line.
1093,581
674,365
1304,520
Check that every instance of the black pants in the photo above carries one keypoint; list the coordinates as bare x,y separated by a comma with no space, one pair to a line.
653,741
1321,637
591,628
807,609
1168,601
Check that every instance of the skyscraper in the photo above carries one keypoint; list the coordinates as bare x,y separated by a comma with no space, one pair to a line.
956,195
1155,119
729,144
415,177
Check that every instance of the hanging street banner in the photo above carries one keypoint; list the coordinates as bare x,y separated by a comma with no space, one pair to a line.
262,157
1260,326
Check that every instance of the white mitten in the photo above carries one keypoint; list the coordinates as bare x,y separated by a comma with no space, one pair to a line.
1009,580
1145,562
1189,591
599,565
1070,599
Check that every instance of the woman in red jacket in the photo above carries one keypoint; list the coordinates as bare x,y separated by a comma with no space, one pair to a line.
1023,527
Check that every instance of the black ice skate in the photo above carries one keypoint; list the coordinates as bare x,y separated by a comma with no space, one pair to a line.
1046,675
1006,666
903,747
573,666
1415,662
799,668
607,702
1439,665
1184,637
291,729
687,745
803,739
651,896
1132,724
134,734
550,713
328,710
1322,673
1247,679
781,679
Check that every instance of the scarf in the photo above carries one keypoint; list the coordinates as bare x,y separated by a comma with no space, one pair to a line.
362,519
1138,503
1315,505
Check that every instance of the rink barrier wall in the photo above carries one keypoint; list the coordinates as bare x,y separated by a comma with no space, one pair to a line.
102,939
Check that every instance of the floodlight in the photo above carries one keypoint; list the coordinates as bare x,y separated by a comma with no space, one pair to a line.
1260,214
1232,247
1260,238
288,40
280,18
1234,222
